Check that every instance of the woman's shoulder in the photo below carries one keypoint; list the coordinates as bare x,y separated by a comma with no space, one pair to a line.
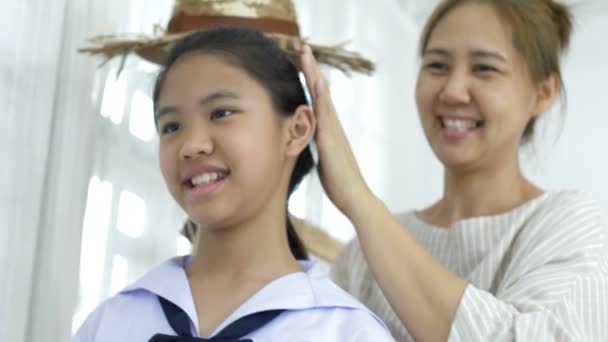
566,210
566,223
570,200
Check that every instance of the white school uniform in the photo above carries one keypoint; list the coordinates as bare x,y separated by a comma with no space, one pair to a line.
315,309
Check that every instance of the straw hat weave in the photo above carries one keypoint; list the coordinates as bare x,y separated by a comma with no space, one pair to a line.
276,18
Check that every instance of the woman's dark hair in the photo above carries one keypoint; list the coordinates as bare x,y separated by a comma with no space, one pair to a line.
265,62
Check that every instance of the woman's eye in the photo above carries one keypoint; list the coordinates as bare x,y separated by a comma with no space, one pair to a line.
484,68
169,128
221,113
437,66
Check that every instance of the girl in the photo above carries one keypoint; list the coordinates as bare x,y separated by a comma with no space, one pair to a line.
234,132
496,258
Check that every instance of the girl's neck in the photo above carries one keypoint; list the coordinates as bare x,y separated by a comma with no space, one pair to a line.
481,192
255,250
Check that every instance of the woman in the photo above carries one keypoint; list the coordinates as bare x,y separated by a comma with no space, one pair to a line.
496,257
234,132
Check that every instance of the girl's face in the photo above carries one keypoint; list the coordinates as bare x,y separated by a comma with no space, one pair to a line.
222,143
474,93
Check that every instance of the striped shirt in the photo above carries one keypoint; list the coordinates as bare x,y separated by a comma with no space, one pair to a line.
535,273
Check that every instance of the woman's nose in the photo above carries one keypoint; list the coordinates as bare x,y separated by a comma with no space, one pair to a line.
456,89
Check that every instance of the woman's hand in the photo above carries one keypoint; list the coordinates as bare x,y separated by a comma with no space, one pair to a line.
338,168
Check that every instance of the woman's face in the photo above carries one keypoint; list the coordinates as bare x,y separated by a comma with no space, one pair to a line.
474,94
221,141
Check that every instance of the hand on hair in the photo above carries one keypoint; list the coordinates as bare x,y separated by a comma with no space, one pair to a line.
338,169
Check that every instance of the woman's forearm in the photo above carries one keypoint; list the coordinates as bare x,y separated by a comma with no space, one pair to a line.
423,293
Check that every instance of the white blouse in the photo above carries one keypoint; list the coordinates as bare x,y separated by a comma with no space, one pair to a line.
315,309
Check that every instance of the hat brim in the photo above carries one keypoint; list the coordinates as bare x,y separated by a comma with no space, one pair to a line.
156,49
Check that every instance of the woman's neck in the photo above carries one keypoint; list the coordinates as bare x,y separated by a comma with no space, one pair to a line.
481,192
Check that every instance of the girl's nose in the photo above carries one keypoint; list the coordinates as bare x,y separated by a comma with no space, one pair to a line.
197,144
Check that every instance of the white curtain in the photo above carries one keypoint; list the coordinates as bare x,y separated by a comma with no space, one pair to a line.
75,137
44,89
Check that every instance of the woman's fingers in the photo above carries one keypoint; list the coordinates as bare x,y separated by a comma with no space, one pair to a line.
316,83
310,69
338,169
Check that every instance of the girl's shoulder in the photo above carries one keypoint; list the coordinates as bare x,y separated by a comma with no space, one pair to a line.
136,304
331,310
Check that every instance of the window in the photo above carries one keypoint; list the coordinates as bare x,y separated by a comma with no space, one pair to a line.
131,215
94,239
114,92
141,124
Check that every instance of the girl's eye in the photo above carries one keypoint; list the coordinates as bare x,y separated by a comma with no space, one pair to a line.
169,127
221,113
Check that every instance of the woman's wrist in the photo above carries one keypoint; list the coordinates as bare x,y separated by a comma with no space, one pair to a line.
365,205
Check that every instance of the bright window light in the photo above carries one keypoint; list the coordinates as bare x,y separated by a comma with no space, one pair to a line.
93,249
120,272
113,103
337,224
131,215
141,123
341,90
182,245
298,200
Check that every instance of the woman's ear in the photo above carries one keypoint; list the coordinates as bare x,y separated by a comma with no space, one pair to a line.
301,128
546,92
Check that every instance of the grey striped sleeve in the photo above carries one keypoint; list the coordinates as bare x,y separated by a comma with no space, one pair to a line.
556,288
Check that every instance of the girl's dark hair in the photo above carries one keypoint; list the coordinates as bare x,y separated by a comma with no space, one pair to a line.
265,62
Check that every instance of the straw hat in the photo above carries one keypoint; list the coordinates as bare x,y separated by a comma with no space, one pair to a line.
276,18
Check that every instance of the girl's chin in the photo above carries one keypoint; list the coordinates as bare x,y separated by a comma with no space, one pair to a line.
213,224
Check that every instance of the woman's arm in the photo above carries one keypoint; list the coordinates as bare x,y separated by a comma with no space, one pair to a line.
423,293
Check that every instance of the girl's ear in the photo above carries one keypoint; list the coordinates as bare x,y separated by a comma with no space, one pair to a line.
301,128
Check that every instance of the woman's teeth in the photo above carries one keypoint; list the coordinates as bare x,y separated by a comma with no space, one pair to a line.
460,125
206,178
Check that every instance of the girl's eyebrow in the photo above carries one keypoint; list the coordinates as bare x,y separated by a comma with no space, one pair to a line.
218,95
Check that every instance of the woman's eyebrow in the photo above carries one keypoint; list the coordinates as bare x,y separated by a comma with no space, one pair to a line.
437,51
477,53
489,54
